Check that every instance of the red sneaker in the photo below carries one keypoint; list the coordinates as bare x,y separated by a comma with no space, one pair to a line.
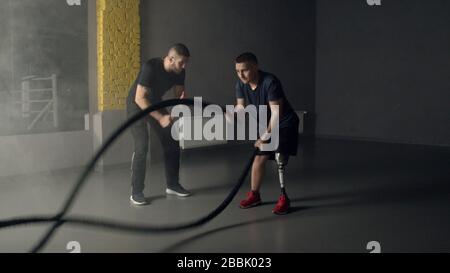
253,199
282,206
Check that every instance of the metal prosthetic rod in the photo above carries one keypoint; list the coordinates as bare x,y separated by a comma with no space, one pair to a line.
282,161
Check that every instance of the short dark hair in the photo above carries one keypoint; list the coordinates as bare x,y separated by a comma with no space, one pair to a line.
181,50
247,57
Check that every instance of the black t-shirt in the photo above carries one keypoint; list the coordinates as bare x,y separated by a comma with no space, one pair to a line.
157,79
269,89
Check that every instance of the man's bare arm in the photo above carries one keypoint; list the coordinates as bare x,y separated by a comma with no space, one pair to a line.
180,92
240,104
143,102
276,110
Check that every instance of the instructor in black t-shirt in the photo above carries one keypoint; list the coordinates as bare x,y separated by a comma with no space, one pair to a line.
156,77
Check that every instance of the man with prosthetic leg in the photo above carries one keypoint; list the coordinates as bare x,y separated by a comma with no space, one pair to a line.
259,88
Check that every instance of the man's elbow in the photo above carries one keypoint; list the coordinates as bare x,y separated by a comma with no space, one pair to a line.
140,101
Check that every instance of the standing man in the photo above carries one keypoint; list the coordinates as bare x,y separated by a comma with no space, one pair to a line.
259,88
156,77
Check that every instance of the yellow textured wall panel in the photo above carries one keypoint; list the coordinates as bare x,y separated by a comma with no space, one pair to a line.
118,49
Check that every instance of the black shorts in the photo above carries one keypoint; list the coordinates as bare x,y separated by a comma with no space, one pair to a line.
288,144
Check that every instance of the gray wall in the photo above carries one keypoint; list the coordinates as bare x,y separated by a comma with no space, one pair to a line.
41,38
25,154
383,72
44,152
281,33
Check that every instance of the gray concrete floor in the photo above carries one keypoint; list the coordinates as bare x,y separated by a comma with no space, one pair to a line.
344,195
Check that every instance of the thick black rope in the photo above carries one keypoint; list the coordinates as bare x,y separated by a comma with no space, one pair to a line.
59,219
113,225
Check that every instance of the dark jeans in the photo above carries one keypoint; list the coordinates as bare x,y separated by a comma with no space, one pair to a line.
170,147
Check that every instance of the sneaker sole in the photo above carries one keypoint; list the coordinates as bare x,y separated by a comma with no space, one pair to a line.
251,206
171,192
137,203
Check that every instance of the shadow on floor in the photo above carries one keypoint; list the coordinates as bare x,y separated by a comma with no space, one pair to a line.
335,200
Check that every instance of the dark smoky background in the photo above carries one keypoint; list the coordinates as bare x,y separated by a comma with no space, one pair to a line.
42,39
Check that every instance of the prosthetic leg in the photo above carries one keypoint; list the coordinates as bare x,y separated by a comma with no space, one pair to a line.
283,204
282,161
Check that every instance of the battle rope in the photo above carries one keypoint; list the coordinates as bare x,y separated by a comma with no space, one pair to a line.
59,219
